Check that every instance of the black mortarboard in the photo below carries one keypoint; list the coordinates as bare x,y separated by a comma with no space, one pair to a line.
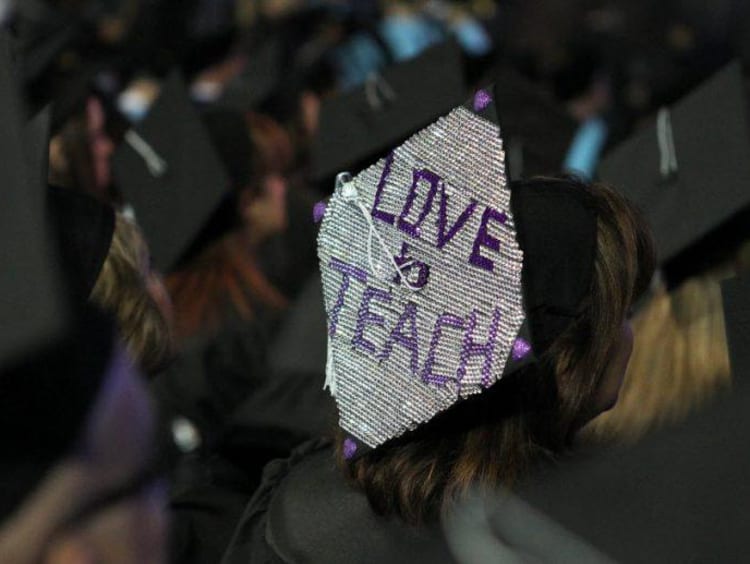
170,173
689,173
680,495
31,312
36,143
51,357
361,125
538,131
736,296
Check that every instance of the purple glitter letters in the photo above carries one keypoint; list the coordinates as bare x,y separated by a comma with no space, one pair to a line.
377,213
348,272
366,317
414,229
445,320
471,348
484,239
443,237
406,339
406,264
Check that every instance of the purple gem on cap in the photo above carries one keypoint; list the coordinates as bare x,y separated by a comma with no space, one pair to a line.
350,448
521,348
319,210
482,99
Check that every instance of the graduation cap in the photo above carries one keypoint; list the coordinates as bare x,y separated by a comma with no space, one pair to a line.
258,80
31,312
36,142
361,125
736,296
51,357
43,33
689,173
680,495
170,173
537,128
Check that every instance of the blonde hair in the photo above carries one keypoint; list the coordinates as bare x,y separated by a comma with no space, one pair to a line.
122,288
680,361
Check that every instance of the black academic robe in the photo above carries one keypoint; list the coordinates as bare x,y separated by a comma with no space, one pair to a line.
305,511
246,414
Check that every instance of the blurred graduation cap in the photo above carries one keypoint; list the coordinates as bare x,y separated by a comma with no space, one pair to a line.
258,80
736,296
680,495
361,125
51,356
537,130
32,312
689,173
43,34
171,174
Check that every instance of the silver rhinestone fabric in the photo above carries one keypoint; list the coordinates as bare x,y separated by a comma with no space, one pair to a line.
379,393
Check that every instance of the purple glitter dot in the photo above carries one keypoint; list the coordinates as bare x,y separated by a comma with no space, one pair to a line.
521,348
350,448
482,99
319,211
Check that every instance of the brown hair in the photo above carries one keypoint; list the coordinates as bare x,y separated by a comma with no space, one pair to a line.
273,146
222,281
498,436
121,288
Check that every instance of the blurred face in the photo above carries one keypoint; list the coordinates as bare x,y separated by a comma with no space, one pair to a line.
103,503
609,388
266,214
102,146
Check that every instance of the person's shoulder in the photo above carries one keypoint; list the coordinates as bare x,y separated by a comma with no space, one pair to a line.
306,511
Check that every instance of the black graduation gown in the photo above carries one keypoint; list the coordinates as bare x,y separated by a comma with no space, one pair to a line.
246,414
305,511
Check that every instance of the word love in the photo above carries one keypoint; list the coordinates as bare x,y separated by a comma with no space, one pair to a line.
401,330
445,232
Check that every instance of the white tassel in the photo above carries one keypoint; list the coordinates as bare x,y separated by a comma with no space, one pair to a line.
155,164
330,383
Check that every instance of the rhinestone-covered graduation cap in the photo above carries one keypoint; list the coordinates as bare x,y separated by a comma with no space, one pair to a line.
421,273
689,172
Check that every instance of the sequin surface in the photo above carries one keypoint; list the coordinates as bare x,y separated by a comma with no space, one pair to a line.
404,348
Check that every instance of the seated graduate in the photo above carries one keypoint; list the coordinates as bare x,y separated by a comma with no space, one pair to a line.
107,261
681,358
475,325
78,484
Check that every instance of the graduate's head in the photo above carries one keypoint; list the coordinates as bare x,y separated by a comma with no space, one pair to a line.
257,153
494,328
81,149
107,263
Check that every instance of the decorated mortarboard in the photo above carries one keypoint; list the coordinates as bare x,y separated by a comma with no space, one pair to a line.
537,131
736,296
689,173
422,264
170,173
361,125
